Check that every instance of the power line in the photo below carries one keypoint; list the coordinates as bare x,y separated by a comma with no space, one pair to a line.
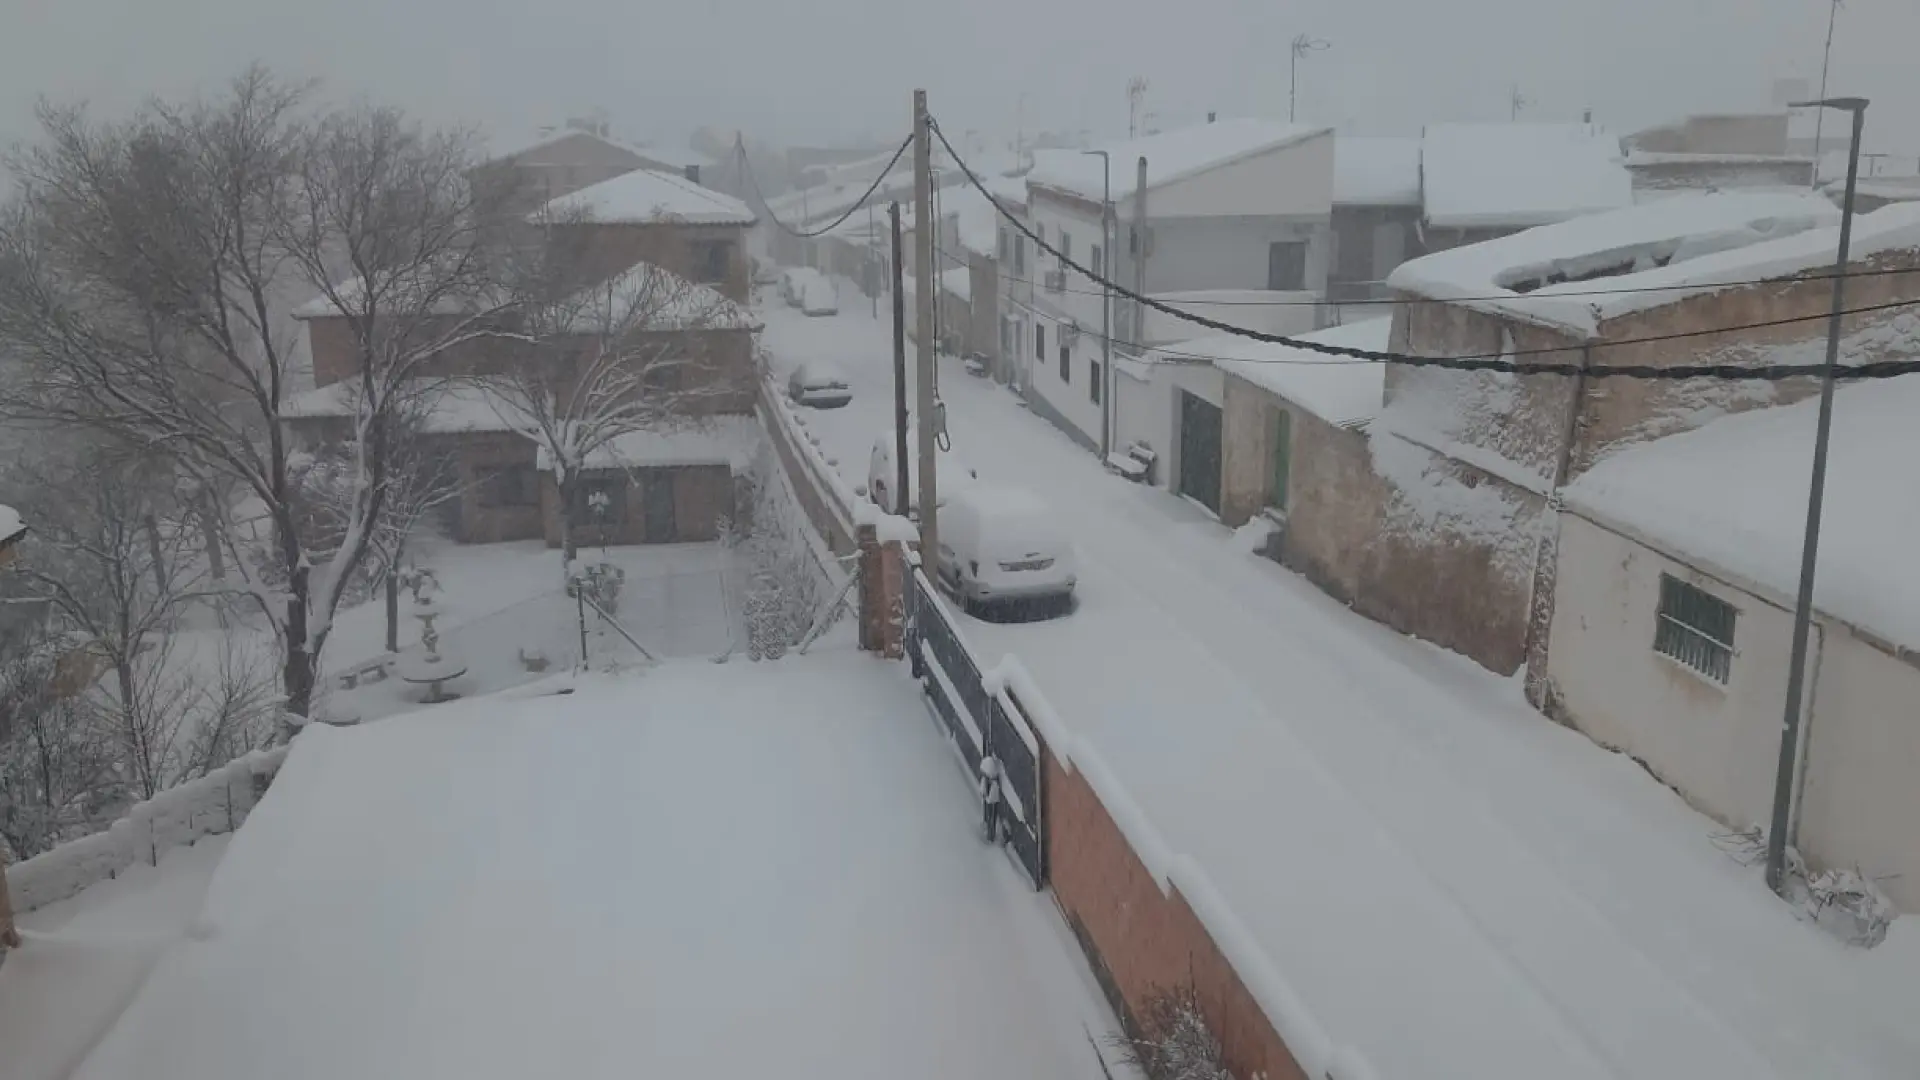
746,166
1502,362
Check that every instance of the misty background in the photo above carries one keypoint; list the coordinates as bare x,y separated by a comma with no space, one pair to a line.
840,70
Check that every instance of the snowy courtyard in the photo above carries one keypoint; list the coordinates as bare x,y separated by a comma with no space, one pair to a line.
1526,898
750,870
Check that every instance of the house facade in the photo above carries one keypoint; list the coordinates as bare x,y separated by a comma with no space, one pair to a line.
1442,526
1233,221
1376,216
1672,621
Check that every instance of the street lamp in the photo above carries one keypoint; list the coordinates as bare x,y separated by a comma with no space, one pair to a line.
1302,45
1783,781
1106,301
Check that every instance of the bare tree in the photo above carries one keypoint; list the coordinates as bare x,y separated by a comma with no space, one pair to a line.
56,777
140,284
634,353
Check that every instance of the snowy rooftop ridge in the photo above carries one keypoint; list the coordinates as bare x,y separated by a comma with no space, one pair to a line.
646,196
719,440
1669,249
1506,175
1734,492
502,148
1343,392
1376,170
1171,155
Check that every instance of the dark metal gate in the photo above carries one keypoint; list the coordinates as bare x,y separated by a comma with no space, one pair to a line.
985,726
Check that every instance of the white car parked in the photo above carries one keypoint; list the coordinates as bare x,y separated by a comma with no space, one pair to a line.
952,475
820,384
1004,545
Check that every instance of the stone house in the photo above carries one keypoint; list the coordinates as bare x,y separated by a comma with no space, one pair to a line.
1716,153
1672,614
666,486
1233,221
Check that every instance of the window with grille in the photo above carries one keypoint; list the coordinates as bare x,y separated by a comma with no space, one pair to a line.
1695,627
1040,342
1066,364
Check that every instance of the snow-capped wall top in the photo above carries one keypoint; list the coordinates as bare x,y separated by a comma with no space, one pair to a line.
1376,171
647,195
1733,494
1171,155
1519,175
1345,393
1648,256
10,524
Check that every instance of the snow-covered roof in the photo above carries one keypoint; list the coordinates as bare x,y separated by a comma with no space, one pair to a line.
1376,171
649,195
453,408
11,525
1343,392
648,298
1518,175
1682,246
975,219
351,291
527,146
958,281
720,440
1171,155
1733,494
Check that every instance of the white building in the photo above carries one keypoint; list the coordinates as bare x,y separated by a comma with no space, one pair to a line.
1673,614
1237,226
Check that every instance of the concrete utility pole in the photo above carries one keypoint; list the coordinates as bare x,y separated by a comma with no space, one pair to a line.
900,464
1784,781
1138,334
1106,302
925,410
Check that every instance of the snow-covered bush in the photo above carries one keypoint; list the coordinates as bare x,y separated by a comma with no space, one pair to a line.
1172,1040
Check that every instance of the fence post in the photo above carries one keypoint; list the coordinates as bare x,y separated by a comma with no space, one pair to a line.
883,599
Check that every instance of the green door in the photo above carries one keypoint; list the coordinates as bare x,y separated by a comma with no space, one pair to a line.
1200,451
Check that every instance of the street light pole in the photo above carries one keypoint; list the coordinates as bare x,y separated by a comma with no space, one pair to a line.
1106,301
1302,45
1783,781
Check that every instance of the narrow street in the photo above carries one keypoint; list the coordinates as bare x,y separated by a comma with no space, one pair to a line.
1524,893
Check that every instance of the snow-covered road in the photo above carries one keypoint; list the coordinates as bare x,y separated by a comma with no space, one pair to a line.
748,870
1445,875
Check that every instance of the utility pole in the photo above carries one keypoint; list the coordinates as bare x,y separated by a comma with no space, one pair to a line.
1784,781
1106,301
1138,332
873,289
1136,99
925,410
899,363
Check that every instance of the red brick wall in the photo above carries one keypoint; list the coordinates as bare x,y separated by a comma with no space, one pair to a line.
1139,939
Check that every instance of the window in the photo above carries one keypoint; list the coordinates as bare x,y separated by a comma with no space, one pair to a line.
1695,627
1066,364
600,499
1019,255
1093,381
508,485
1003,248
1282,459
1066,246
1287,266
711,260
1040,342
1094,261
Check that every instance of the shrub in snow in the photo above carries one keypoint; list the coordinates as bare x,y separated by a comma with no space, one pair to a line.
1848,905
1172,1041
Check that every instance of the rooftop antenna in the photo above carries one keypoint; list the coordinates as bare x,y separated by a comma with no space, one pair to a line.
1517,101
1136,100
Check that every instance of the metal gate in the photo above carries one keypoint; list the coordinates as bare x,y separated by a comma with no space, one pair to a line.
984,726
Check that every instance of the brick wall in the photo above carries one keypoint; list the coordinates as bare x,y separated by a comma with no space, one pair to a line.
603,249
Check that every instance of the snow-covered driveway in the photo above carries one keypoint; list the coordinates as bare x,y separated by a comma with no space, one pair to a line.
1443,873
748,870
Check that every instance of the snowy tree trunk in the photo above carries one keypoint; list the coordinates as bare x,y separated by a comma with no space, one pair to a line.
296,671
393,606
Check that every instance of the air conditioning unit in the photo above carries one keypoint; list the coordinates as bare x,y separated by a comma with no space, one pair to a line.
1056,281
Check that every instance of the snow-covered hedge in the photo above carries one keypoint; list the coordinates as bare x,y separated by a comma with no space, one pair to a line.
213,804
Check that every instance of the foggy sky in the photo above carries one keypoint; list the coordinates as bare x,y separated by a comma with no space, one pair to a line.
822,70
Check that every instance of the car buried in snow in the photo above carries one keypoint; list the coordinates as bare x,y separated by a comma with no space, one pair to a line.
819,384
1002,546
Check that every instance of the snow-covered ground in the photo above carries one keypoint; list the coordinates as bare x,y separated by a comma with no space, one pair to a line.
1451,881
85,957
703,871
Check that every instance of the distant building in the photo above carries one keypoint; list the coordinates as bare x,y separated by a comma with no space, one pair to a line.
1716,153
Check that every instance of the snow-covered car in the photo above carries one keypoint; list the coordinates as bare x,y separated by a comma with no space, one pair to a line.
792,281
765,272
817,296
820,384
952,475
1002,545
